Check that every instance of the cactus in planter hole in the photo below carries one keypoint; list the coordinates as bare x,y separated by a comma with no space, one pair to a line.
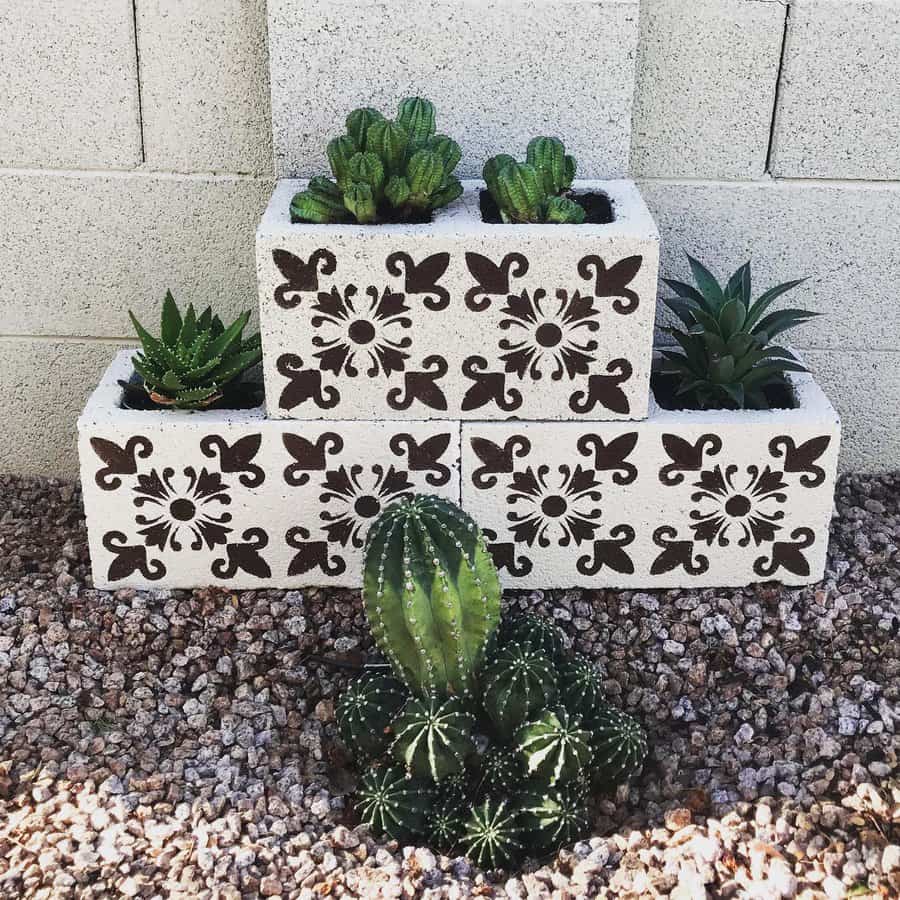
619,744
554,816
365,712
431,593
196,361
555,746
492,835
432,737
518,681
392,804
384,171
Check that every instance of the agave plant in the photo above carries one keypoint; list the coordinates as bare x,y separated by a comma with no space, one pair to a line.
726,357
196,361
384,170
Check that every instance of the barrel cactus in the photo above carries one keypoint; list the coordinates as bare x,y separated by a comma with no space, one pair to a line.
501,773
555,746
619,743
492,836
554,816
537,631
580,689
518,681
392,804
384,170
446,817
431,593
433,737
365,712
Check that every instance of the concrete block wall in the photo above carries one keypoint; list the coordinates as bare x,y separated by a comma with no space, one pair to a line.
137,154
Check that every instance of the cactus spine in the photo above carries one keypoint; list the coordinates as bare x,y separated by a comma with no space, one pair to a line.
579,686
518,681
431,594
365,711
492,835
432,737
619,743
555,746
392,804
555,816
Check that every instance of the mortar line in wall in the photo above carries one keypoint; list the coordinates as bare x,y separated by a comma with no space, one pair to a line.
69,338
137,65
161,174
770,151
862,183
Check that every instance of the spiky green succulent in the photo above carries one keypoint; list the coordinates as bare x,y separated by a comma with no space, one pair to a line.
537,631
433,737
365,712
196,361
725,357
431,593
492,836
554,816
518,681
619,743
447,816
532,191
501,774
392,804
555,746
580,688
383,170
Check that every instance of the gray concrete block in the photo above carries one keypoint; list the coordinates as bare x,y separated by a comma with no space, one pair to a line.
45,385
864,385
838,235
498,73
839,108
68,84
79,251
705,87
205,85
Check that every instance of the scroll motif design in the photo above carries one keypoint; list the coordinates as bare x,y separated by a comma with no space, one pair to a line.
676,554
489,387
421,386
802,458
787,555
611,457
244,557
303,385
236,458
609,553
613,281
130,558
424,457
309,456
312,554
605,390
422,278
504,556
300,276
685,456
119,460
497,460
492,278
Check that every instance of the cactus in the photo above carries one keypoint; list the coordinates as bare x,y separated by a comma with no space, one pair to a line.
432,737
492,836
384,171
530,192
518,681
392,804
555,816
445,820
536,631
196,361
431,593
580,689
365,711
501,773
555,746
619,744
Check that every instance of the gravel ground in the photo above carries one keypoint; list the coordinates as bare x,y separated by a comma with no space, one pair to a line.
182,744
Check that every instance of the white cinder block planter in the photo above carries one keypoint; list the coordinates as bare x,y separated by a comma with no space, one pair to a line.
683,499
459,318
186,499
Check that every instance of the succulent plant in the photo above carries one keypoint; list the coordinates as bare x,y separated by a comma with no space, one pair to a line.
502,772
532,191
365,711
196,361
537,631
433,737
392,804
555,746
580,688
447,815
518,681
554,816
383,170
619,744
726,357
431,593
492,836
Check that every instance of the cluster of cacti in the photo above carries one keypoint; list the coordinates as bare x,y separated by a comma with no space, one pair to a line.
534,191
504,733
384,170
196,361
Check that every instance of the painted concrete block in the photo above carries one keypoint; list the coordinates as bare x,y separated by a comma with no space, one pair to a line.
839,109
706,81
458,318
834,234
68,84
205,85
181,499
137,235
683,499
499,73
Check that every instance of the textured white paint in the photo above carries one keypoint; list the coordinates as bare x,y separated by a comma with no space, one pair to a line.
458,333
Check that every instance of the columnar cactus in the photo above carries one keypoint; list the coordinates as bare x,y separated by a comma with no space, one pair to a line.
392,804
431,593
365,712
619,744
555,816
518,681
580,689
433,737
492,836
384,171
555,746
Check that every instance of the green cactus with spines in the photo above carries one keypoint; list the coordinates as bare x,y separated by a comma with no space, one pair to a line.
536,631
555,816
580,688
196,360
564,211
432,737
447,814
492,169
555,746
619,743
431,594
407,167
502,773
493,837
518,681
392,804
365,712
548,156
